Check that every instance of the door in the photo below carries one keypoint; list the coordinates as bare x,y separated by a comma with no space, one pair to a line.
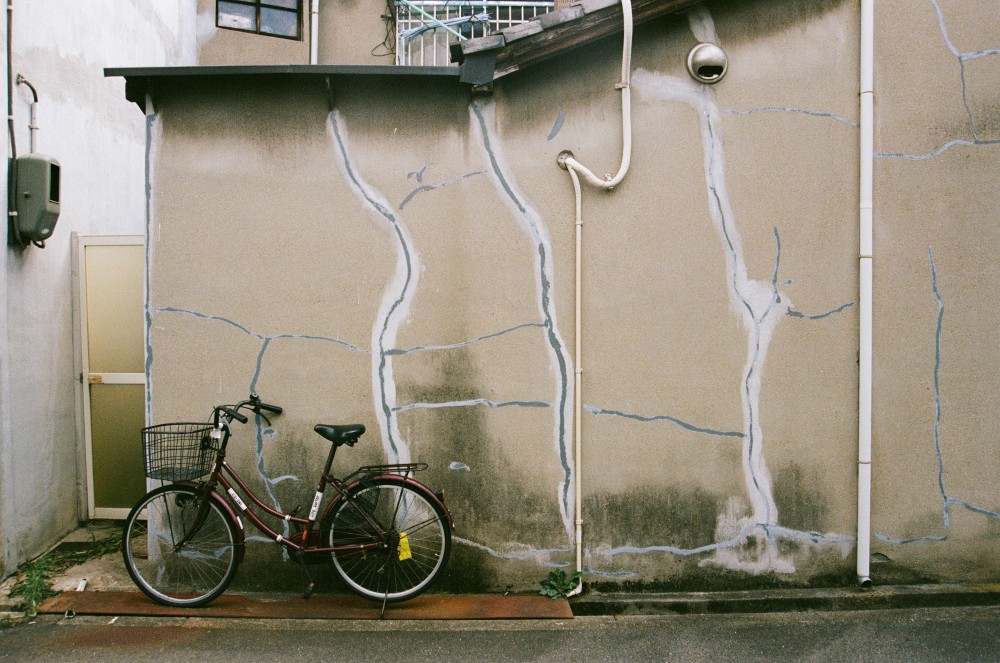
110,273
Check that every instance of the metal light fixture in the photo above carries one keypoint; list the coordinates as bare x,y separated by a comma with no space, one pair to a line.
707,63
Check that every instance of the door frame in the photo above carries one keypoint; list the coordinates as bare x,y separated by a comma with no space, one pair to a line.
85,461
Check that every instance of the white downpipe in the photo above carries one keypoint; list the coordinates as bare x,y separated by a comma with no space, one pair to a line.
576,169
314,33
578,378
572,164
867,132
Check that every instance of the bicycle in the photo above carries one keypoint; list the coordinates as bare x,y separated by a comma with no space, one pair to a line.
388,536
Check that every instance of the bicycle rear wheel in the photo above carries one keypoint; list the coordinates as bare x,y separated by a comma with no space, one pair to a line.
412,533
196,572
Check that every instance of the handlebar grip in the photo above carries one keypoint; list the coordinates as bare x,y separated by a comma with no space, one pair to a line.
276,409
235,415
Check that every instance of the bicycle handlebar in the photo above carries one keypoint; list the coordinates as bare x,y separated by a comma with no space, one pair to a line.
233,414
276,409
254,403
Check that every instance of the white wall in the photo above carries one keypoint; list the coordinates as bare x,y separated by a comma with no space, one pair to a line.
99,139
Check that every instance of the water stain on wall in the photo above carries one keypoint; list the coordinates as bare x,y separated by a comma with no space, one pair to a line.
801,502
756,20
493,502
648,516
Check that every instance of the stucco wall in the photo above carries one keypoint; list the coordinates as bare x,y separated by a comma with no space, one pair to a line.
938,148
99,141
350,32
405,259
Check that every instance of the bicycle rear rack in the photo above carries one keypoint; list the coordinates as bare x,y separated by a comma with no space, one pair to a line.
404,469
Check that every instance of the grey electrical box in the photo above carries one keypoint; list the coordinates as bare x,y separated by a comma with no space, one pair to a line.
37,190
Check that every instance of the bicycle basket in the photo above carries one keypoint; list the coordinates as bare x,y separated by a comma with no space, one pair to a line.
178,452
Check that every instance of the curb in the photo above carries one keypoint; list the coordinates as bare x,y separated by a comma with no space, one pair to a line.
786,600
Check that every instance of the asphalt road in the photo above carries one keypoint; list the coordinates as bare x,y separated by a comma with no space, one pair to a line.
934,634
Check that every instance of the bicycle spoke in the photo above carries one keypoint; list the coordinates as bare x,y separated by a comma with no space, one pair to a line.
200,568
420,541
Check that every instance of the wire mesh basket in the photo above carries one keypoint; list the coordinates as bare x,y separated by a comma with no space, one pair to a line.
178,451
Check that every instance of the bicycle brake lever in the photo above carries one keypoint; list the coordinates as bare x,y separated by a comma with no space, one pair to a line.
257,411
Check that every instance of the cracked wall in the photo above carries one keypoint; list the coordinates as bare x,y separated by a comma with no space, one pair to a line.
937,150
403,257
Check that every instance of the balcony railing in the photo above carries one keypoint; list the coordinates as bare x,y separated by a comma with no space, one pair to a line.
426,28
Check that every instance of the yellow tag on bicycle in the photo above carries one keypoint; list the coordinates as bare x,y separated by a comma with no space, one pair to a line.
404,547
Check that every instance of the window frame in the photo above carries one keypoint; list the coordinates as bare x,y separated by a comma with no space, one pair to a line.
257,6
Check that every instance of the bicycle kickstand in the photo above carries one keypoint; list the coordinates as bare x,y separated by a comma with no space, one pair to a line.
308,591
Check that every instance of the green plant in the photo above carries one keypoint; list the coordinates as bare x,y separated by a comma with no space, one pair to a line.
34,583
557,585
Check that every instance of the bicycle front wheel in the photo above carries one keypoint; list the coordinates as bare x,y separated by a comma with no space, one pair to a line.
170,558
408,535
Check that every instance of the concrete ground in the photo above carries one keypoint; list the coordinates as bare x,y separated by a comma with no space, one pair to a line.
927,635
108,574
928,623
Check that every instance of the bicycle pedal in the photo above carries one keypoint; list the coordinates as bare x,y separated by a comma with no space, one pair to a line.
308,591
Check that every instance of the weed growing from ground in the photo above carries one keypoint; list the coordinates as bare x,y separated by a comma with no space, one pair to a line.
34,579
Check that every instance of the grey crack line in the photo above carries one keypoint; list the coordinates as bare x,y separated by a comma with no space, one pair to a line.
962,59
936,153
556,127
469,403
431,187
528,553
597,411
946,501
968,55
405,281
260,431
741,536
818,316
262,337
462,344
755,299
803,111
259,434
533,223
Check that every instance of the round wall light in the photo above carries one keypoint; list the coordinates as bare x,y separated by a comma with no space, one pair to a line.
707,63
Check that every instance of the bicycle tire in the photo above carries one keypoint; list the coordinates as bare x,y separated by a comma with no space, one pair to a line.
197,573
413,522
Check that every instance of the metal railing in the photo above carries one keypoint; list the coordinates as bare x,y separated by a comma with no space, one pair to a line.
426,28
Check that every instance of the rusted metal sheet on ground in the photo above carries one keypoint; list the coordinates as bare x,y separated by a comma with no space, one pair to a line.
433,606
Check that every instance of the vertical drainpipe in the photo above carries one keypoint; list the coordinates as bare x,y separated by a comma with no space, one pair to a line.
867,131
567,162
314,33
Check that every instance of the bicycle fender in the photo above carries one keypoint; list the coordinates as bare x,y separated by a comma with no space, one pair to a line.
228,510
410,483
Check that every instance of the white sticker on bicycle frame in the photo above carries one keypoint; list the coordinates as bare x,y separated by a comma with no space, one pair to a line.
315,507
236,498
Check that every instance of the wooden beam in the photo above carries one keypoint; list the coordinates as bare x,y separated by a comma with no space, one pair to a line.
557,39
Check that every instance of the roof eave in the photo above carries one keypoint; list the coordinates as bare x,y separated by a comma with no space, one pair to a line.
552,34
140,80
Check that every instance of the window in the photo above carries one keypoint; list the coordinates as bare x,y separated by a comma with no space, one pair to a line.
279,18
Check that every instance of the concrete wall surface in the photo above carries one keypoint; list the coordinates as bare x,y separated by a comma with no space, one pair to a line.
352,32
937,377
99,140
405,258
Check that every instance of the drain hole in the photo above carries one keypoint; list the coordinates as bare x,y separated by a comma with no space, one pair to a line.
709,72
